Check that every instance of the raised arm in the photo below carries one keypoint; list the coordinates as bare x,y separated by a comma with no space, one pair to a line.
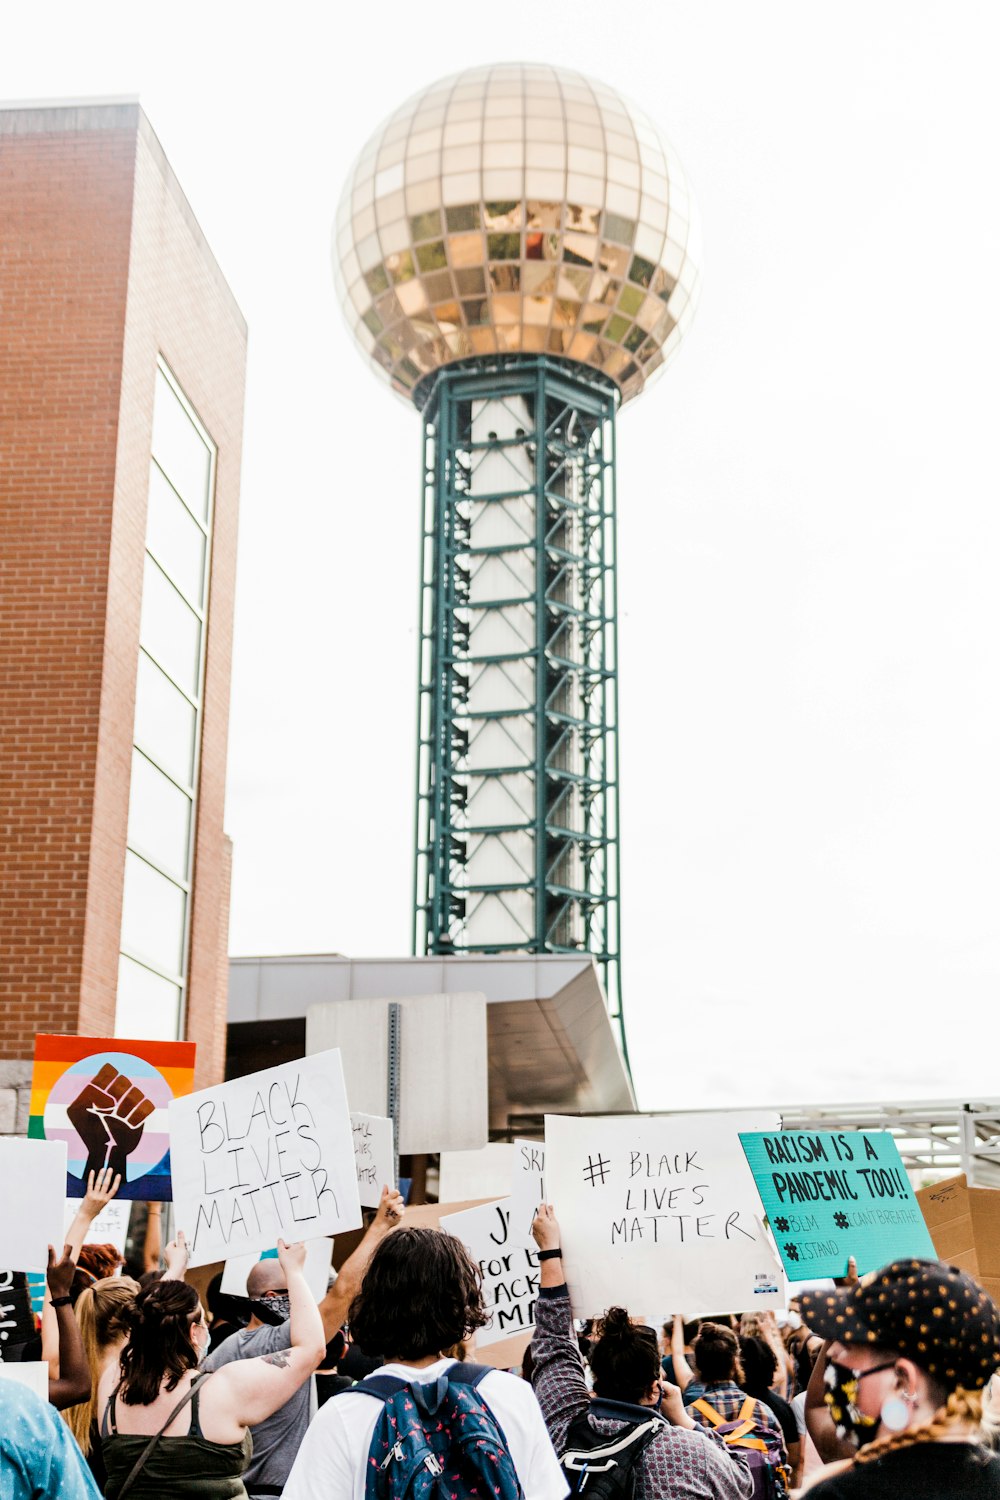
101,1188
255,1388
557,1365
336,1304
153,1243
72,1384
683,1373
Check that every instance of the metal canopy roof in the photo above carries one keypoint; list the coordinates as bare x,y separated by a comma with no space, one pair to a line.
552,1044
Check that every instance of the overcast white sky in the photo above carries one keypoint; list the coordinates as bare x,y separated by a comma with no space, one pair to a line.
810,537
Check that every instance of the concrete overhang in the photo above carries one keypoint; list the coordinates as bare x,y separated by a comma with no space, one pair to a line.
552,1044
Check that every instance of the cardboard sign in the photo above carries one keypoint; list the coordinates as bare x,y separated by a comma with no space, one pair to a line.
829,1195
510,1272
316,1270
107,1100
264,1158
33,1174
373,1157
659,1213
33,1373
964,1223
17,1318
527,1189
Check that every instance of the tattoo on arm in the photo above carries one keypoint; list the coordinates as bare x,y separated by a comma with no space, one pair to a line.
280,1357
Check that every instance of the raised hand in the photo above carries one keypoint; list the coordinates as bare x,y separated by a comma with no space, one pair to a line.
101,1188
291,1257
176,1257
59,1273
545,1228
109,1115
390,1210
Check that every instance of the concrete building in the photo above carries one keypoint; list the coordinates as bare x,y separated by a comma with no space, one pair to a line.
122,360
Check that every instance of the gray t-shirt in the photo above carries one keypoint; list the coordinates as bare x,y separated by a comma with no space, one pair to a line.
275,1440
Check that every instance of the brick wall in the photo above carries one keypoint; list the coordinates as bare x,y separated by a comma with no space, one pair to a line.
102,267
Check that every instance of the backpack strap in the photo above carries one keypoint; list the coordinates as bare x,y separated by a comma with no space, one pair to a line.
468,1374
382,1387
748,1411
709,1412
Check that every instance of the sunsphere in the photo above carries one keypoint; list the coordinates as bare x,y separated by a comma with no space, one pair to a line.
517,209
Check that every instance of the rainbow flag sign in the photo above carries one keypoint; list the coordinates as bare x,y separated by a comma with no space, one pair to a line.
107,1099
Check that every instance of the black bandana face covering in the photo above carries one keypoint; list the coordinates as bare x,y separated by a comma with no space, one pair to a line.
273,1310
841,1397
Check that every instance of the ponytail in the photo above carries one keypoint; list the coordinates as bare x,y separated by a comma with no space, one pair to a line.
624,1359
159,1341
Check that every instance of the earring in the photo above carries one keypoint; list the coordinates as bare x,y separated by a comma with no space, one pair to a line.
895,1413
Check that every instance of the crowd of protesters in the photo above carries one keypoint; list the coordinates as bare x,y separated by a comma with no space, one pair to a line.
879,1386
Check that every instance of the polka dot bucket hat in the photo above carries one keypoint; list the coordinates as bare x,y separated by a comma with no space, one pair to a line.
926,1311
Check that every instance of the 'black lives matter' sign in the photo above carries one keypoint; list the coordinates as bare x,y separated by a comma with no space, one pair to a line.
265,1157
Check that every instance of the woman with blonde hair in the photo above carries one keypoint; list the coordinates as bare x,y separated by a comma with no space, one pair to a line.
102,1311
909,1355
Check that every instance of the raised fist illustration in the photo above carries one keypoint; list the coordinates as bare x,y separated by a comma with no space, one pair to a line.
108,1115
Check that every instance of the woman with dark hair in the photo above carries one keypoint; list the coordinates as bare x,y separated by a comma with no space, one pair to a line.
676,1460
421,1295
759,1370
724,1399
167,1429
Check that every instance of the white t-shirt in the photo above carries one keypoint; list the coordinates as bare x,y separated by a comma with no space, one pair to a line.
333,1457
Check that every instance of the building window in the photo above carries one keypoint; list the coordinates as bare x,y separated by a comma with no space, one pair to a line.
162,814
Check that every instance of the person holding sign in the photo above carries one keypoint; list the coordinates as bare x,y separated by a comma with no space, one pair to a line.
635,1408
165,1428
276,1438
917,1345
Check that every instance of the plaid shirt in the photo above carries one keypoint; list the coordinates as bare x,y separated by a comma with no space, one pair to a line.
678,1463
727,1399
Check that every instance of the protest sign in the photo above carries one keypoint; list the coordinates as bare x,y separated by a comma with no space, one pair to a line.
110,1227
17,1318
964,1223
527,1189
829,1195
107,1099
316,1269
33,1174
659,1214
373,1157
484,1173
510,1272
33,1373
263,1158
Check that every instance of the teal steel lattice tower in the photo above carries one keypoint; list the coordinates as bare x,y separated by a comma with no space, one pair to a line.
515,252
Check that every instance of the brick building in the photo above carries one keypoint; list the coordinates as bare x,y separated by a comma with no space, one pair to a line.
122,357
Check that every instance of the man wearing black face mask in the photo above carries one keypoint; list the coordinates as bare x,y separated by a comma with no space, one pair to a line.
276,1441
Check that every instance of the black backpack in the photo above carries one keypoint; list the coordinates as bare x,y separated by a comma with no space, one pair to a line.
601,1465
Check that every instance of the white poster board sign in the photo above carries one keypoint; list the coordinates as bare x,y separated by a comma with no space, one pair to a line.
510,1272
33,1174
317,1270
34,1373
373,1157
476,1174
527,1189
264,1158
660,1214
109,1228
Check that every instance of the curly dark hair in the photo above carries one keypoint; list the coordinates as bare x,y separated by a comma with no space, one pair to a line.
160,1343
624,1358
422,1293
717,1354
